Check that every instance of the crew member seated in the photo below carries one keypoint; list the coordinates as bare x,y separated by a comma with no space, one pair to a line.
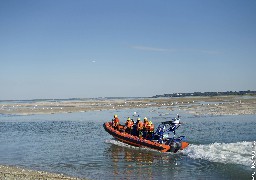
115,122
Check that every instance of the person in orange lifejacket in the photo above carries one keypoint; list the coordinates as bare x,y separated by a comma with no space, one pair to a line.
150,130
116,122
145,127
139,127
128,125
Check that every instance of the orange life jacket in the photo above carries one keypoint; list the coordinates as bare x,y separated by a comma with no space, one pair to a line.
116,122
139,125
146,125
151,128
129,124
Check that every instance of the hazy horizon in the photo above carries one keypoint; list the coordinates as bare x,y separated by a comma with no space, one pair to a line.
87,49
109,97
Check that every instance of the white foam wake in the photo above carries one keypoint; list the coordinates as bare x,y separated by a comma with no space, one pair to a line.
233,153
121,144
118,143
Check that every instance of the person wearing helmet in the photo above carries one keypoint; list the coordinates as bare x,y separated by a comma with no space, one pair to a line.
145,122
128,125
145,127
139,127
116,122
175,124
150,130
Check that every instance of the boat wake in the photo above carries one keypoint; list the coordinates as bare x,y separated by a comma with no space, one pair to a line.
118,143
233,153
227,153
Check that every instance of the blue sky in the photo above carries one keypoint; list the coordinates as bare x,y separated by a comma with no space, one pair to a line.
82,48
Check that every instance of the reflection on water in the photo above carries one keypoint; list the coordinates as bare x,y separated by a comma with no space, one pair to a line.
129,162
133,163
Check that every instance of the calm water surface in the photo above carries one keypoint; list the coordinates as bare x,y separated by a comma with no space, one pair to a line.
76,144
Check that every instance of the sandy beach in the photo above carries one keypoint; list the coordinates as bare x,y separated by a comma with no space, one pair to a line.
220,105
15,173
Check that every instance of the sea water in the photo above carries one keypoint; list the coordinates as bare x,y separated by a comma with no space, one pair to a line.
76,144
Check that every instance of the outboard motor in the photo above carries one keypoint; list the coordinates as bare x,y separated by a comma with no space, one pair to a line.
175,144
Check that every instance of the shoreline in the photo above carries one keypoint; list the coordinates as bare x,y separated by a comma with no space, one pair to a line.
13,173
219,105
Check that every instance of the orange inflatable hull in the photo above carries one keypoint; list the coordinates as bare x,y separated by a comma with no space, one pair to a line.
139,142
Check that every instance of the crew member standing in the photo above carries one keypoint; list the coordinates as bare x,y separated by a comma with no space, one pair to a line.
128,125
145,127
150,130
139,127
116,122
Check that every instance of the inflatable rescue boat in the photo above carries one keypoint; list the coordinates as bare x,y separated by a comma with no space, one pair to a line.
160,140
